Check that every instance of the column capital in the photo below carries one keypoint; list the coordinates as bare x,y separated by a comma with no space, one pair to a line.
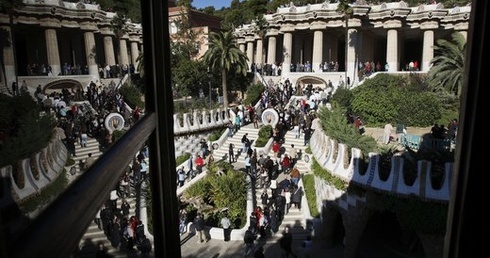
429,25
392,24
89,26
50,22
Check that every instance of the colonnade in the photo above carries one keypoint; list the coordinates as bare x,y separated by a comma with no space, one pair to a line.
390,34
56,40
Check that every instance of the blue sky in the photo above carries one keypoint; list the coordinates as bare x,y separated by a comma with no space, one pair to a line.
216,3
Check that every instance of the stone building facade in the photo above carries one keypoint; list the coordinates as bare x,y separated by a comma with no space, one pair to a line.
390,35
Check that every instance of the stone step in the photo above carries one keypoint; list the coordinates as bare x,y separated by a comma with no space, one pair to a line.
95,235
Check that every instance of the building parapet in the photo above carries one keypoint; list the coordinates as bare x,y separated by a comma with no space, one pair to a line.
334,157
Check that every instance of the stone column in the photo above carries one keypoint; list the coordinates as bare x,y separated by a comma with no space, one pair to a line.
109,50
427,51
317,50
287,48
392,50
242,47
334,49
90,52
271,50
8,59
250,53
351,65
258,54
134,53
123,52
355,220
53,51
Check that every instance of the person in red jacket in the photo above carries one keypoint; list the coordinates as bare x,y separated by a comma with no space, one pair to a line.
286,163
199,164
275,148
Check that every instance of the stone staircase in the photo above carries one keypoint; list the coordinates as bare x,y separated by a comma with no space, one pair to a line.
82,152
93,236
222,152
295,218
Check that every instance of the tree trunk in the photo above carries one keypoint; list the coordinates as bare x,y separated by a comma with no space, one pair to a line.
225,88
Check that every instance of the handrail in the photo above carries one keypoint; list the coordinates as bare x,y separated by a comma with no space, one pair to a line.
67,218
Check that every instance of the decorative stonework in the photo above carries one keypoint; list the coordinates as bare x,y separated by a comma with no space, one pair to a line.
81,6
270,117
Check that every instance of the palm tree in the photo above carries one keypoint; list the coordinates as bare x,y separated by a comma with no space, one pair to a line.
224,55
447,71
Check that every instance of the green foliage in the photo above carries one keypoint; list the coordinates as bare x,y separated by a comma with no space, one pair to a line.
190,76
46,195
265,133
229,190
308,150
70,162
132,96
334,181
224,56
397,99
18,119
117,134
182,158
200,188
342,97
334,122
253,94
222,190
214,136
448,64
309,185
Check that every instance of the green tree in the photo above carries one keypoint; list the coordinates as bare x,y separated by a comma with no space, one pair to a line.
188,73
447,71
223,55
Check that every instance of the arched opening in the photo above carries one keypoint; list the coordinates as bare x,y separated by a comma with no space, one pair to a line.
59,85
385,237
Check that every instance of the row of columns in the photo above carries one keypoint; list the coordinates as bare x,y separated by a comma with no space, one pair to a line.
353,48
53,58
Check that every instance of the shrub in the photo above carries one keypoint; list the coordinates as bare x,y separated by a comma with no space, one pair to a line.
309,184
47,195
253,94
20,114
182,158
132,96
265,133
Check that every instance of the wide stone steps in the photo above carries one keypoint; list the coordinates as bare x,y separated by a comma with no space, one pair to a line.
82,152
94,236
222,152
290,138
294,218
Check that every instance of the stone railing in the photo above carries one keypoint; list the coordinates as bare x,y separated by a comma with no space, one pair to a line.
49,163
334,157
202,120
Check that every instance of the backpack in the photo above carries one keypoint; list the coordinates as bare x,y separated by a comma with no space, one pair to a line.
249,236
